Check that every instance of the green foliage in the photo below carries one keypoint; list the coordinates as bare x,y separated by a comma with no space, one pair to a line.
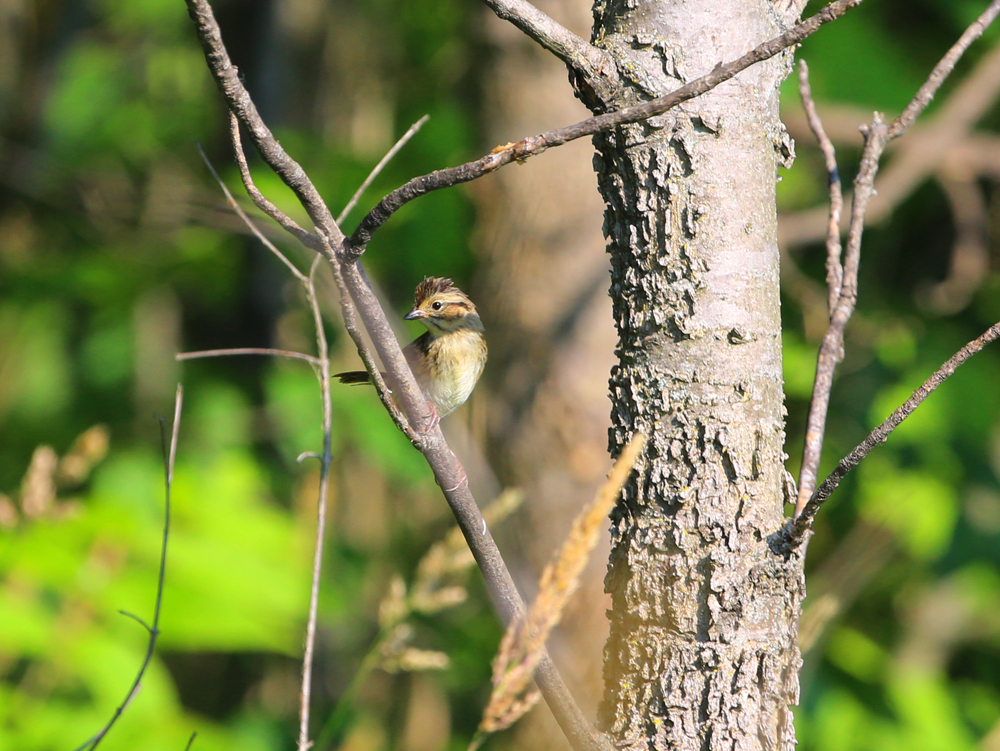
116,251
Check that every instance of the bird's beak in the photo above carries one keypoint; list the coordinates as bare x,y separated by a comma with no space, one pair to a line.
414,315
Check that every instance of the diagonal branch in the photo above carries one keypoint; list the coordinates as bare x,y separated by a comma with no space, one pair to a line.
581,56
377,169
831,351
533,145
803,522
227,78
446,468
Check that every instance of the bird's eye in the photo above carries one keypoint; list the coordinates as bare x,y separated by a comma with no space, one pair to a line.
436,306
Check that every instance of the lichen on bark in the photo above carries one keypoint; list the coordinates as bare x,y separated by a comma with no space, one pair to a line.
702,652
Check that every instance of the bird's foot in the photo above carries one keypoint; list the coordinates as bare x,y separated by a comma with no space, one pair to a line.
433,417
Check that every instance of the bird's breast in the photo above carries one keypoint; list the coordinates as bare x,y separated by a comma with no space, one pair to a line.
454,363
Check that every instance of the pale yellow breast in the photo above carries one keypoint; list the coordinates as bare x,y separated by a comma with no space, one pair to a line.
457,360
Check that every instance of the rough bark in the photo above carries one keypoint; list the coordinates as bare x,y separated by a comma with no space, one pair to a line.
702,652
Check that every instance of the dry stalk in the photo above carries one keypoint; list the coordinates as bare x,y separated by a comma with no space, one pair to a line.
524,641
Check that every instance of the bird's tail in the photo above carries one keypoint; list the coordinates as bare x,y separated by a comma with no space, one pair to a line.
353,377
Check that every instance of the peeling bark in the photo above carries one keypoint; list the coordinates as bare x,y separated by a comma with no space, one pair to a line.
702,652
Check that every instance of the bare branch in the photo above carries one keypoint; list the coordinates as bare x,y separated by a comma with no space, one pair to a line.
534,145
260,200
248,183
169,454
927,147
267,351
379,167
240,104
525,638
447,470
834,270
384,394
831,351
798,530
816,422
576,52
323,376
942,70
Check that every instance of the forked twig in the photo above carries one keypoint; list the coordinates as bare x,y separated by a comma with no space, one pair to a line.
803,522
831,351
169,454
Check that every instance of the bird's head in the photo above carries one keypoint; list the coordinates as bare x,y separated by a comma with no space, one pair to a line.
443,307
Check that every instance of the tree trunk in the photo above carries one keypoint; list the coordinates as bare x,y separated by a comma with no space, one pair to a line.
702,652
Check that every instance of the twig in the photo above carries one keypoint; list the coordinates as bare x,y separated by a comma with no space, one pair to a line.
534,145
242,106
942,70
576,52
834,270
803,522
378,167
260,200
816,422
248,351
169,454
323,376
321,366
876,135
926,149
248,184
190,741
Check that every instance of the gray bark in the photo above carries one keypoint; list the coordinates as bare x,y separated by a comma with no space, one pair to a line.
702,652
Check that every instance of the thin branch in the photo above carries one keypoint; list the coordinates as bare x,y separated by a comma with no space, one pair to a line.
347,311
190,741
816,423
573,50
227,78
942,70
380,166
260,200
248,183
169,454
534,145
323,376
831,351
798,530
834,270
321,365
927,148
314,361
524,640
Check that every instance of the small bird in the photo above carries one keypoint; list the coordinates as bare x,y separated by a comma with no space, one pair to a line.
447,360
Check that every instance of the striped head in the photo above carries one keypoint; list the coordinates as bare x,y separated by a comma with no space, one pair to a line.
442,307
